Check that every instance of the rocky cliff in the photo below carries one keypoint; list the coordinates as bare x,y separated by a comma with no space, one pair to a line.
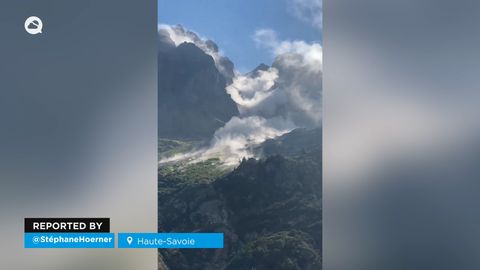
192,101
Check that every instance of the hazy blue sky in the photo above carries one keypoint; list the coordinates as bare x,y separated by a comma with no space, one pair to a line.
232,24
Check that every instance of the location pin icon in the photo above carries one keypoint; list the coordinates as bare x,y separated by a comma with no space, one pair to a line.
129,240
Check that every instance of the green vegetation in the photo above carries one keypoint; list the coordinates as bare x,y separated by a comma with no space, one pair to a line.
290,250
168,148
181,174
269,209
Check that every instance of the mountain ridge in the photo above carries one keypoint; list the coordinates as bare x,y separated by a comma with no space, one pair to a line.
192,100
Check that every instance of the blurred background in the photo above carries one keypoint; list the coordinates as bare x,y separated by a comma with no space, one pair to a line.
401,134
78,126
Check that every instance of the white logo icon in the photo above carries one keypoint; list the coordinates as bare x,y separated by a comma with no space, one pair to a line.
129,240
33,25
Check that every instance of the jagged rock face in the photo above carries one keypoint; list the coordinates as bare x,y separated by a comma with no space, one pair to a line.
192,100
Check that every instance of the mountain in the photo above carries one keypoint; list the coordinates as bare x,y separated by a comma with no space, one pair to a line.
293,143
255,72
268,209
192,100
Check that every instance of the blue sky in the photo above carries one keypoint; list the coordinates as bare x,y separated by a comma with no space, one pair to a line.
232,24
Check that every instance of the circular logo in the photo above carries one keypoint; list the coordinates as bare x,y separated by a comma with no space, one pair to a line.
33,25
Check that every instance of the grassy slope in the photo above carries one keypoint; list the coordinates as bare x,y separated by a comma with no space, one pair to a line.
168,148
181,174
176,175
